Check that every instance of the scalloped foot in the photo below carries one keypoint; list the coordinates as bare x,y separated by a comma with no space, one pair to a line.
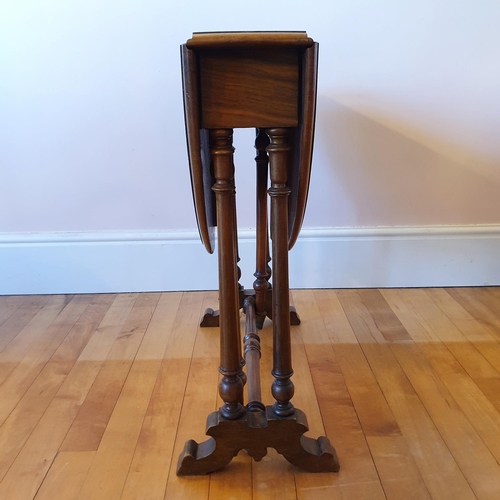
210,318
294,317
255,432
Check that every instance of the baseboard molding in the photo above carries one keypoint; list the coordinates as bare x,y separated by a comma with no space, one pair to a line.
48,263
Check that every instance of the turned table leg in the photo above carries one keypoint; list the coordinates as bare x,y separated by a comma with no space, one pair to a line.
262,269
282,388
231,384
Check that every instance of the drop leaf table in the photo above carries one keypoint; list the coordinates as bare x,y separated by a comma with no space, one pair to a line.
266,81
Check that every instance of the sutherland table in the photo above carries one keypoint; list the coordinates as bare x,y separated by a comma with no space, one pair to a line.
267,81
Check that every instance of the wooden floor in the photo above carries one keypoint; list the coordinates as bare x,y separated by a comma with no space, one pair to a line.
99,393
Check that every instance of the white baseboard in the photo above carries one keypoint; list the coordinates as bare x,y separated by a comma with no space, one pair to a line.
47,263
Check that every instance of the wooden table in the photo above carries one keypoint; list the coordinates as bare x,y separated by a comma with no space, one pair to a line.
267,81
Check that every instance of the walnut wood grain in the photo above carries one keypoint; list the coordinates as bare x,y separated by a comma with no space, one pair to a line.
301,136
302,140
249,87
282,388
252,357
231,383
255,432
198,152
249,39
262,269
265,81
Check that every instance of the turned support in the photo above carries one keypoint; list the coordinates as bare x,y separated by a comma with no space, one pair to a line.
231,384
252,357
282,388
262,269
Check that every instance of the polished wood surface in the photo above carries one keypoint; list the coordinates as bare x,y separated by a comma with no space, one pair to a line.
198,152
246,39
282,387
231,383
262,254
266,81
301,142
303,108
100,392
249,88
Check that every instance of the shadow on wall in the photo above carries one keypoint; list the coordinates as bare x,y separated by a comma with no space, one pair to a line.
372,175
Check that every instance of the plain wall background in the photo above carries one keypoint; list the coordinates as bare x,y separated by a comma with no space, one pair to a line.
91,122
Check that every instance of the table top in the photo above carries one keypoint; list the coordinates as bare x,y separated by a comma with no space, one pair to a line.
301,131
236,39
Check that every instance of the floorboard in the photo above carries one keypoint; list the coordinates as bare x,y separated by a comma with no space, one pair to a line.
98,394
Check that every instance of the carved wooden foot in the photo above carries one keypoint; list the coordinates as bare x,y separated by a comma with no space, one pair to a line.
255,432
259,320
210,318
294,317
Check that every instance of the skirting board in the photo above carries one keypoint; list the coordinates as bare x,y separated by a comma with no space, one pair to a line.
53,263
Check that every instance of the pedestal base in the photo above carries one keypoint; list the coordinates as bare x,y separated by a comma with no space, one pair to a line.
255,432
